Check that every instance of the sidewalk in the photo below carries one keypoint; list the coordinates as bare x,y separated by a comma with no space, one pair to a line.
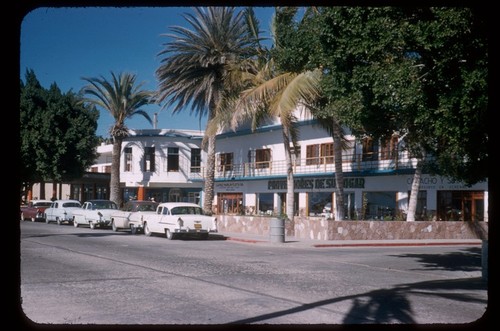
249,238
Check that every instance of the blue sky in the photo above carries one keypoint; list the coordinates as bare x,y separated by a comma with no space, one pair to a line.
64,44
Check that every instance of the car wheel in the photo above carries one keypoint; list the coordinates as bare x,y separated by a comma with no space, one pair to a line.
169,234
133,229
146,230
92,225
113,226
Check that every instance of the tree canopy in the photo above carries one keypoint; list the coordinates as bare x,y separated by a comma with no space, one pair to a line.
57,134
419,71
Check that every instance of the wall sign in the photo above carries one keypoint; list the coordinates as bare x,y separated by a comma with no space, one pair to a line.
316,183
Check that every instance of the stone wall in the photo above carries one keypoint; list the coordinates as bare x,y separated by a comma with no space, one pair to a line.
321,229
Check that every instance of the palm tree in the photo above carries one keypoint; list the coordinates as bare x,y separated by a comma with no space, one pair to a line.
194,70
123,99
332,125
279,96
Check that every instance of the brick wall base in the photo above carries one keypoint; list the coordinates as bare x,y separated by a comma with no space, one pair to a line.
321,229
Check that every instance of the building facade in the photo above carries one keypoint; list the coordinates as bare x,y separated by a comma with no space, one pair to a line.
250,175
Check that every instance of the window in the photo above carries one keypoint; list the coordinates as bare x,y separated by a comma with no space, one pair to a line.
173,159
368,149
149,159
262,158
389,150
226,162
319,154
128,159
295,155
195,160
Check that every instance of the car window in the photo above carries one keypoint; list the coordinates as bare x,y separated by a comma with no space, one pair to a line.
42,204
71,204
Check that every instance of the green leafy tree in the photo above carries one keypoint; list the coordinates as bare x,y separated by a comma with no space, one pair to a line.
195,70
58,139
122,98
420,72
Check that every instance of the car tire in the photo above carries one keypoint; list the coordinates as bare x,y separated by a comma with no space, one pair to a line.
146,230
133,230
169,234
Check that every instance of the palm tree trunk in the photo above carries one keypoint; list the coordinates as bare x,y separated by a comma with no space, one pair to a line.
209,177
289,177
415,187
339,174
115,194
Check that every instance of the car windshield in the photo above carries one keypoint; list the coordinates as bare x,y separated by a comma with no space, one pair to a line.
105,205
71,204
187,210
146,207
42,204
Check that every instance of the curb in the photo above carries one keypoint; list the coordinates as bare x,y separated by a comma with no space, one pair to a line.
360,244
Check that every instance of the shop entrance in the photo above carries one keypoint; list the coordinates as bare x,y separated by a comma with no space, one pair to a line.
461,206
230,203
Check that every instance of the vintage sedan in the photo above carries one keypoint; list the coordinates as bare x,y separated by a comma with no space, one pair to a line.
130,216
61,211
174,219
95,213
34,210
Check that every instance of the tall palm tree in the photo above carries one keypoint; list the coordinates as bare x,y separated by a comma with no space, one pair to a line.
332,125
123,99
279,95
194,70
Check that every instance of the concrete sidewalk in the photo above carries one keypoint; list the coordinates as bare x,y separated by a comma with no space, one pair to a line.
315,243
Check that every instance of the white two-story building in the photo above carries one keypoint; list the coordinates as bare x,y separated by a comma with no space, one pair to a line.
250,175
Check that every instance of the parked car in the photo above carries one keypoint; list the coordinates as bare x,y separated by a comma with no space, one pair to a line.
95,213
61,211
174,219
34,210
130,216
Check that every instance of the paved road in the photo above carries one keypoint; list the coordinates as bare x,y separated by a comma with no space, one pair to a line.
79,276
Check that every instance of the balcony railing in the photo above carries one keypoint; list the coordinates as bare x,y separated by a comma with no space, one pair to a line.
318,165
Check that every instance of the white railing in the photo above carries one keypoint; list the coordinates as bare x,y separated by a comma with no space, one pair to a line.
320,165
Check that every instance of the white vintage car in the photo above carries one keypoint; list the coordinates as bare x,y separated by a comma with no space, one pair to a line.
174,219
95,213
61,211
130,216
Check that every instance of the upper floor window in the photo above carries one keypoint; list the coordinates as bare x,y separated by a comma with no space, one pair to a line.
389,148
149,159
319,154
226,161
369,151
262,158
173,159
195,159
295,155
127,165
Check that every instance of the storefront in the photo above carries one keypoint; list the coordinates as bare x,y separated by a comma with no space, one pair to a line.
365,198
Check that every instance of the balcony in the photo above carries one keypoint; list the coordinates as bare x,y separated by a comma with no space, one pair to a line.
360,164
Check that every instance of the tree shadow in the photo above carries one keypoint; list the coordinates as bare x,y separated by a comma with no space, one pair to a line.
388,306
467,259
